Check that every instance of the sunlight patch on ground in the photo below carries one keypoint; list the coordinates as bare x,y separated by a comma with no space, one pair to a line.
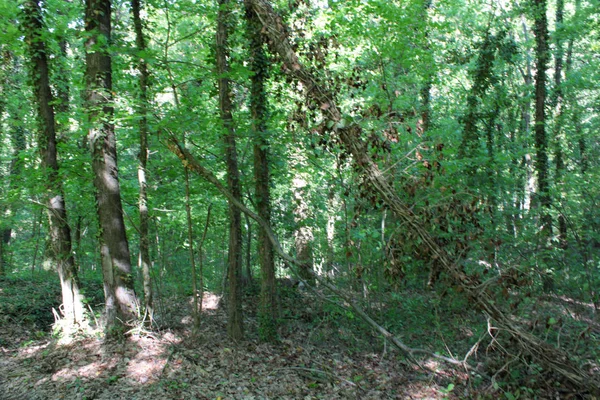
147,364
86,360
432,365
85,369
142,360
210,301
32,349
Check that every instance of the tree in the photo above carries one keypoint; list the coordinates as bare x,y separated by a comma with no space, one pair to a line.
15,143
541,139
144,260
235,327
259,111
558,100
303,234
121,300
59,230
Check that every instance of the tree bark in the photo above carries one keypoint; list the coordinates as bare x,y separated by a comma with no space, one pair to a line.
303,234
190,231
3,207
142,66
258,108
558,101
247,277
529,186
541,139
59,230
17,142
235,327
121,300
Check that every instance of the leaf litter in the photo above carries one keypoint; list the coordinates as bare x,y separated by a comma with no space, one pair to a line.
169,363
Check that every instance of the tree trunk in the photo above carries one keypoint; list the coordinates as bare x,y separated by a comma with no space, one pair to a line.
330,231
17,141
303,235
235,327
247,277
258,108
529,187
558,101
576,120
144,259
116,261
541,140
190,231
3,211
60,233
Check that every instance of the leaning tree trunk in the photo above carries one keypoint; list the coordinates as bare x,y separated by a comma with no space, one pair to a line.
350,138
235,327
59,231
121,300
144,259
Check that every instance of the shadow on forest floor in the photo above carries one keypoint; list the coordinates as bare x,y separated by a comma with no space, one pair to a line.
319,356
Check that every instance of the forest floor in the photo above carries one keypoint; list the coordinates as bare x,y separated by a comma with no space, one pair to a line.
315,358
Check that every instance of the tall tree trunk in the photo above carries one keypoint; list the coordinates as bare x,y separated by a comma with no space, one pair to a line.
60,233
247,277
425,92
558,101
235,327
332,209
576,120
303,235
121,300
17,142
62,87
529,187
144,259
188,212
258,108
541,140
3,207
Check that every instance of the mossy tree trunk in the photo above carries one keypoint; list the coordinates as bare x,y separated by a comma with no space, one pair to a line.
235,327
259,110
541,139
59,236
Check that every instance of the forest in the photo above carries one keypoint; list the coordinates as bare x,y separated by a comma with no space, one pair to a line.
299,199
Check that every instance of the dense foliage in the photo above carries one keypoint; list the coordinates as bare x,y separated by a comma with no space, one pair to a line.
483,116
